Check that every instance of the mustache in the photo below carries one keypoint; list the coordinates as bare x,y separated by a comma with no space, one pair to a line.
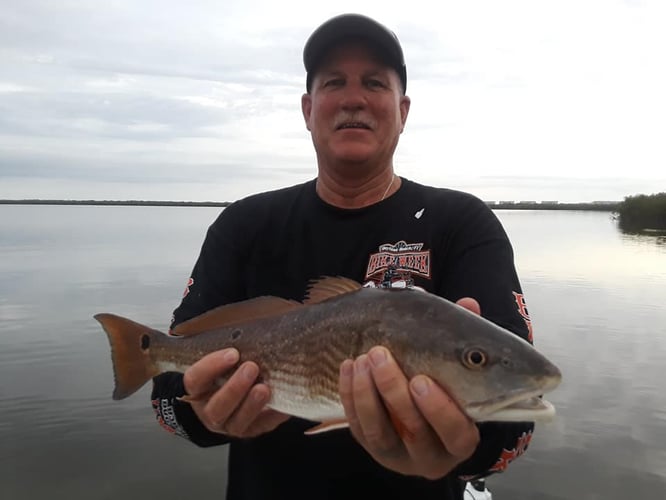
357,119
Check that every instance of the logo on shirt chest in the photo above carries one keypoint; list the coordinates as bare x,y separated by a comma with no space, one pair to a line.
402,258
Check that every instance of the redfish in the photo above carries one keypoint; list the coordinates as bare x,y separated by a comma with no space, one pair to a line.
491,372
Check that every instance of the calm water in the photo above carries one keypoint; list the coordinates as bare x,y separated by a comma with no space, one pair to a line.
596,298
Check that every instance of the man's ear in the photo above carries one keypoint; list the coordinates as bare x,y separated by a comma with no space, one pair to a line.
405,102
306,108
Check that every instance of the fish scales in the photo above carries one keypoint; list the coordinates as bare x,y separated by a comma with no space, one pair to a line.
302,365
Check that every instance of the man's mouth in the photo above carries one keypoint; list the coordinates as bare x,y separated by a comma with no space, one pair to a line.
346,125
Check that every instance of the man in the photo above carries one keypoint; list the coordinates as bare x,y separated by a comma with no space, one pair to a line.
360,220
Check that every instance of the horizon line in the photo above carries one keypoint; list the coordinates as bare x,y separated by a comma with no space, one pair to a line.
494,203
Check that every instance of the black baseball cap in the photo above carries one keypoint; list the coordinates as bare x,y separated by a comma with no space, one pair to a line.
347,26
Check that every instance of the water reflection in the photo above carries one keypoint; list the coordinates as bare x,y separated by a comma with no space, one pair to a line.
596,299
584,249
645,237
641,229
595,295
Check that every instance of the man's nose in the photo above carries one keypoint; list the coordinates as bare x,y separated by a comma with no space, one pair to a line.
353,97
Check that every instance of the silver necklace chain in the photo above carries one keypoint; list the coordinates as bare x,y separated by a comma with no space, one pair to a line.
389,187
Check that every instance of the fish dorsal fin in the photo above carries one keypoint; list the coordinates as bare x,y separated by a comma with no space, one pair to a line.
328,287
235,314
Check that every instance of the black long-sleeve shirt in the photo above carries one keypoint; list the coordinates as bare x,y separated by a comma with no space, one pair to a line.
446,242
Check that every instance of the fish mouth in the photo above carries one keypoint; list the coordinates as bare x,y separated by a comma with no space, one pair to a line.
522,407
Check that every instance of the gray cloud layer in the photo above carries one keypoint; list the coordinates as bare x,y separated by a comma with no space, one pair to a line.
151,92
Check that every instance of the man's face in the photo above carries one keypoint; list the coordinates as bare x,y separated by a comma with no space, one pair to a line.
355,109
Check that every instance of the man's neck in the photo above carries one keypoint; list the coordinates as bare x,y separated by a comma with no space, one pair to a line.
356,192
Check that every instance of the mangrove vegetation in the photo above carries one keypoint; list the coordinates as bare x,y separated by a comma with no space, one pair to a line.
641,212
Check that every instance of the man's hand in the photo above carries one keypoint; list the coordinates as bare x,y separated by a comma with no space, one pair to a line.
238,408
433,435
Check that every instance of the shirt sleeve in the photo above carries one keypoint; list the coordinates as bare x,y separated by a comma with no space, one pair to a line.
479,263
215,280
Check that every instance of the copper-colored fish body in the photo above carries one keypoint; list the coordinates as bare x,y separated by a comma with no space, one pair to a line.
491,372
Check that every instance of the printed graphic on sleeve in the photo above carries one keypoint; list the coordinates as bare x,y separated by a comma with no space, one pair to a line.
186,292
509,456
166,417
522,310
395,263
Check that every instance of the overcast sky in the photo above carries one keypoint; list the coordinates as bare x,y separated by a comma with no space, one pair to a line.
200,100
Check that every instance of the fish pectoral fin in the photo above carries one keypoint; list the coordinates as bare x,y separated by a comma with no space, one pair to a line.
328,287
236,313
188,399
328,425
192,399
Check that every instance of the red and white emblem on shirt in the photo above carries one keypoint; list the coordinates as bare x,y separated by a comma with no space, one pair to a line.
509,456
522,310
190,282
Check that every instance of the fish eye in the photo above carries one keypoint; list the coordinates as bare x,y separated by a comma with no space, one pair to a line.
474,358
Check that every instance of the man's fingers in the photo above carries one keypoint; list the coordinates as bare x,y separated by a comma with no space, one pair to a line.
346,390
406,425
266,421
247,412
238,408
415,431
470,304
375,424
199,379
456,431
225,401
393,388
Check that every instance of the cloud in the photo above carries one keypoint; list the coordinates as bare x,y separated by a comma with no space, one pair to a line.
111,96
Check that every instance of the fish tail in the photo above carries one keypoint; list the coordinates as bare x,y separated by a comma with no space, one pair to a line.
130,352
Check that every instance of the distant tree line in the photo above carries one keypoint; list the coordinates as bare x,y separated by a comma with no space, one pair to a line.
643,212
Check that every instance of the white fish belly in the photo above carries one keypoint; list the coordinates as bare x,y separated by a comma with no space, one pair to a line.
292,396
170,366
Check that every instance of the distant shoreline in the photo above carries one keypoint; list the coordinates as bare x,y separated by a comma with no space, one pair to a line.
131,203
598,206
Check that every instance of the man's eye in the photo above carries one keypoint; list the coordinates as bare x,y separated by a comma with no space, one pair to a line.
375,84
334,82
